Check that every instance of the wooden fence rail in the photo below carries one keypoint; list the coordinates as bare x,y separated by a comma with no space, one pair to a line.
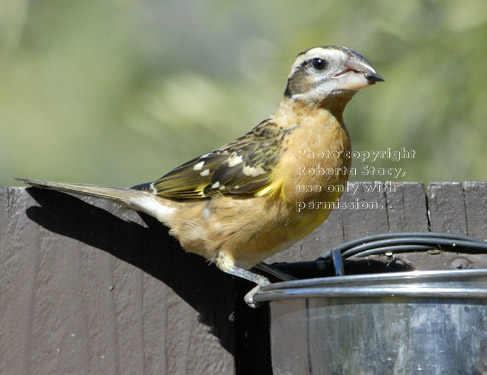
87,287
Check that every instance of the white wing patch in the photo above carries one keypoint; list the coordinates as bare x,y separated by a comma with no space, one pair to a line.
198,166
252,171
234,160
206,172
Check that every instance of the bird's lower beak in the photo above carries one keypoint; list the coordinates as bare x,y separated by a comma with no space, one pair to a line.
356,80
356,75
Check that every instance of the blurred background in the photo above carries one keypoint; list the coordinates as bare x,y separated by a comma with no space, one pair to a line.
120,92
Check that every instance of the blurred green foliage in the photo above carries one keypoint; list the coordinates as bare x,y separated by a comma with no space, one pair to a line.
119,92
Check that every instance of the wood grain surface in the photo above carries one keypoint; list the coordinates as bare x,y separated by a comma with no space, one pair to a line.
87,287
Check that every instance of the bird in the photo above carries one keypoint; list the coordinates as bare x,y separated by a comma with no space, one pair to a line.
238,204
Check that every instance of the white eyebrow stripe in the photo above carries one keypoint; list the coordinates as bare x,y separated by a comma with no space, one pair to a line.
324,53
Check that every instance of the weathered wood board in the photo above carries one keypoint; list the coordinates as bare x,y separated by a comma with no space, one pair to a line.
87,287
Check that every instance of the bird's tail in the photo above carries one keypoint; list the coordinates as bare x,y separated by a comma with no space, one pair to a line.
119,195
135,199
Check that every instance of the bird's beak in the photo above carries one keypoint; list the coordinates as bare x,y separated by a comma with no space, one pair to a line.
356,73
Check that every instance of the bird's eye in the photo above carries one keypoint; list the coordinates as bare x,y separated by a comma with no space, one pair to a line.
319,64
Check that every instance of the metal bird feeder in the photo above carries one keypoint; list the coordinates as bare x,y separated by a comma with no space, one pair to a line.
401,323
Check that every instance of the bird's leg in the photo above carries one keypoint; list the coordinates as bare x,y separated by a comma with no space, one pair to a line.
225,263
254,277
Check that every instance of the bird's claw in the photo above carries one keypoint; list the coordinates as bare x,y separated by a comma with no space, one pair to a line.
249,297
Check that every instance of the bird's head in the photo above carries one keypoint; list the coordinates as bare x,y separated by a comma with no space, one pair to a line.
321,73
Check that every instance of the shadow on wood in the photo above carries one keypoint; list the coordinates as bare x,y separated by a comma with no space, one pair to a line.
149,248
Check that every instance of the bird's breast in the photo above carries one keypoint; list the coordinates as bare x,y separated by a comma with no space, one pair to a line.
315,162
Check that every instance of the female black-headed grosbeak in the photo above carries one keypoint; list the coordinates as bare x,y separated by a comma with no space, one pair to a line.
236,205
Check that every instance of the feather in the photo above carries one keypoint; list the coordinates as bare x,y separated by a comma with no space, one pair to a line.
242,167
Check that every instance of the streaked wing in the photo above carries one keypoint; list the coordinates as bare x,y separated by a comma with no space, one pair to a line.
241,167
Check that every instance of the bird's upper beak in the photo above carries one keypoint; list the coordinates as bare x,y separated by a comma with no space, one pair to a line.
356,73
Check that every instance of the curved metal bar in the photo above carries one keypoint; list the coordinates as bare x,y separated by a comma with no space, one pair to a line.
401,235
410,291
470,277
